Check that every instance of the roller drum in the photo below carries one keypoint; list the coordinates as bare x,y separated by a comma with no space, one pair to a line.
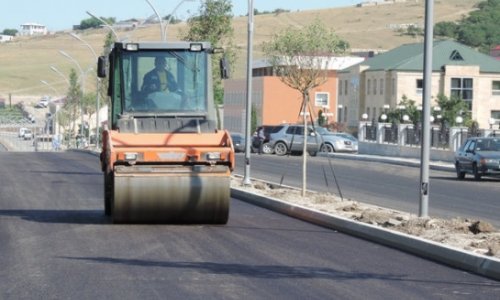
180,194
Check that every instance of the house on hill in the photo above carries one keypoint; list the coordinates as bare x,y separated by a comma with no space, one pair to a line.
380,83
33,29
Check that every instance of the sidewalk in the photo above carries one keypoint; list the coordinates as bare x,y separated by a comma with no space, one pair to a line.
411,162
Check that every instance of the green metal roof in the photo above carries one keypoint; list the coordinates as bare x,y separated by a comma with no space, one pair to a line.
410,57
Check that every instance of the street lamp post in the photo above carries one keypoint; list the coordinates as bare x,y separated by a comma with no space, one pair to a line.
60,74
106,24
50,86
246,178
98,89
162,29
170,17
82,75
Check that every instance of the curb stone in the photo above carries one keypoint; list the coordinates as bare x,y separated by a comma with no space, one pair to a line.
454,257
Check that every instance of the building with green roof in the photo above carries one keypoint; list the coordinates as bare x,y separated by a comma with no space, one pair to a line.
379,83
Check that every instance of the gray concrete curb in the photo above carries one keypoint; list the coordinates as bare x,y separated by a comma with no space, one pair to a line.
434,165
458,258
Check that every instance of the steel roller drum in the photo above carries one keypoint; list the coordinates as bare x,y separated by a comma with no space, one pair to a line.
171,194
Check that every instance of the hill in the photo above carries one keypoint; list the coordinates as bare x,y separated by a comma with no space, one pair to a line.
27,61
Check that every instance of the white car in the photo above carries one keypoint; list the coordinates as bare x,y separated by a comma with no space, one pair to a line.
21,132
28,135
43,102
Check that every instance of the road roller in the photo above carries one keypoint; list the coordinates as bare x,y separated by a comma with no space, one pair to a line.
164,158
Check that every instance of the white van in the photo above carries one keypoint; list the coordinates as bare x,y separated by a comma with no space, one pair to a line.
22,130
28,135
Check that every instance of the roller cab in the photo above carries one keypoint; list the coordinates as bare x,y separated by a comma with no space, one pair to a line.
164,159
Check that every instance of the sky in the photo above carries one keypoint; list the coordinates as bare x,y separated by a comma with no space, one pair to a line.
63,14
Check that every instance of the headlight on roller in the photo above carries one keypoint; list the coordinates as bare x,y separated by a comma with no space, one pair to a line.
213,156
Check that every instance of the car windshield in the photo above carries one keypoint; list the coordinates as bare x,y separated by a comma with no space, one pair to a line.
322,130
488,145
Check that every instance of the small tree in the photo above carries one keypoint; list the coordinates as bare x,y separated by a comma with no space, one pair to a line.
300,56
214,24
451,108
73,98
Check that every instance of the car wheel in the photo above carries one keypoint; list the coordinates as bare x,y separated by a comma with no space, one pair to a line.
267,149
460,173
313,153
328,148
280,149
475,171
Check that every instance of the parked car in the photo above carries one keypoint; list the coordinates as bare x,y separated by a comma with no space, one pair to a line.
28,135
336,141
478,156
43,102
265,147
21,132
290,139
238,141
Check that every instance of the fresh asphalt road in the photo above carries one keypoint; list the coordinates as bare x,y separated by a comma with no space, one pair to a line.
386,185
56,244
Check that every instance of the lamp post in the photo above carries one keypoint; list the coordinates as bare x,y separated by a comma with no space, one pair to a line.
246,178
50,86
170,17
60,74
162,29
98,89
106,24
82,76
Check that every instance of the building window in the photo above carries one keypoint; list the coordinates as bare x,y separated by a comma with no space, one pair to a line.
420,86
346,87
340,87
462,88
393,86
322,99
495,114
374,86
381,86
368,87
495,88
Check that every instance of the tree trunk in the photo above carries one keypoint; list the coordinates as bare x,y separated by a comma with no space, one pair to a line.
305,101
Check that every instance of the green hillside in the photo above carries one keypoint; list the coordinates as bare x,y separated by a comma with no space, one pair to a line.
27,61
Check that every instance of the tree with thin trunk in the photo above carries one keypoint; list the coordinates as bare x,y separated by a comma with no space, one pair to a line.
301,58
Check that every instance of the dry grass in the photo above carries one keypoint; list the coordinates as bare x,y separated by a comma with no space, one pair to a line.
27,61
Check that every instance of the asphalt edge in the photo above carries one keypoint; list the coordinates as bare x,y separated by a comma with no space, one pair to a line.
458,258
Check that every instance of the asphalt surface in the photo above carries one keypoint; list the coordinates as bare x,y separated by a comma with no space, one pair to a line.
57,244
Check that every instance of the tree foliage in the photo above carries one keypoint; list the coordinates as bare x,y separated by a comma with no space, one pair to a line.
73,98
451,108
300,56
479,30
95,23
214,24
12,32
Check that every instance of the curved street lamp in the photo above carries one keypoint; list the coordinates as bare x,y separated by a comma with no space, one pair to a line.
60,74
98,89
50,86
82,76
170,17
106,24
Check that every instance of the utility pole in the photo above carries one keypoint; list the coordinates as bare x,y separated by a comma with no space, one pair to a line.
246,178
426,111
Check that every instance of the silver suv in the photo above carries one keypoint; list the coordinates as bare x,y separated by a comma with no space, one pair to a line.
290,139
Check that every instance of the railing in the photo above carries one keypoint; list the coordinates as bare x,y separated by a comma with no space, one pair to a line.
410,135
